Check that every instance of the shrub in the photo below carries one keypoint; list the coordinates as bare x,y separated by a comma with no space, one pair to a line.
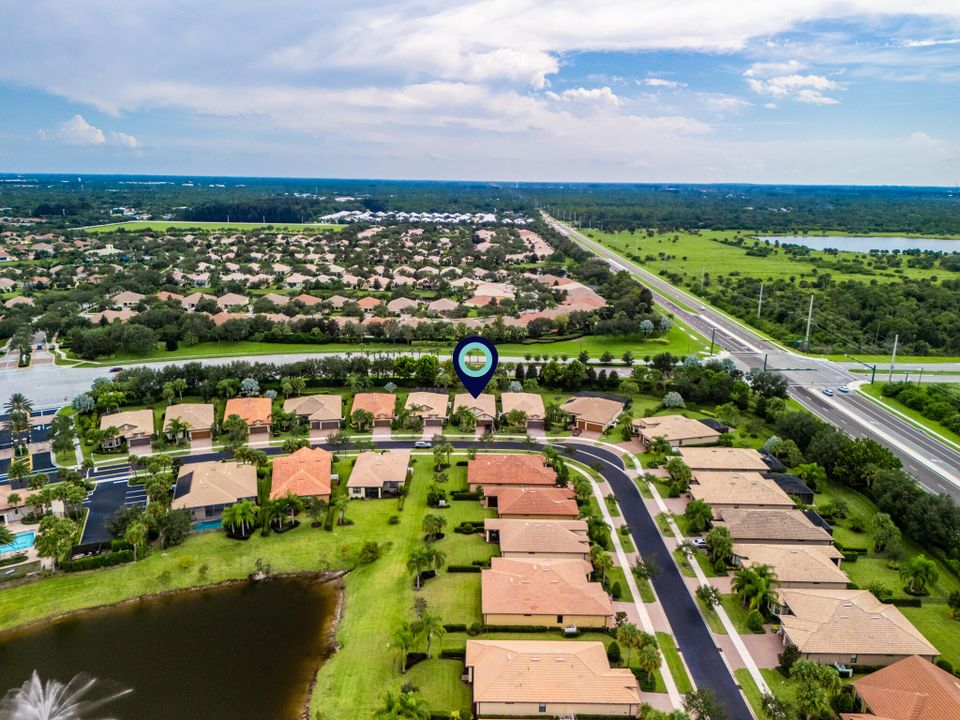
92,562
616,591
613,653
755,621
185,562
857,524
463,568
786,659
945,664
475,629
393,520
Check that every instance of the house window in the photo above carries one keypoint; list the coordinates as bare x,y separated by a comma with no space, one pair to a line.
560,619
853,659
543,707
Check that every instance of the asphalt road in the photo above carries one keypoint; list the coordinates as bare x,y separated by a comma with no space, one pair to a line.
935,465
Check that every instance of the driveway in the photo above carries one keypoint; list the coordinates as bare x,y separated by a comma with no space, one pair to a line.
107,497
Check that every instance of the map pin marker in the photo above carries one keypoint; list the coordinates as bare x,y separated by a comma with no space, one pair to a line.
475,360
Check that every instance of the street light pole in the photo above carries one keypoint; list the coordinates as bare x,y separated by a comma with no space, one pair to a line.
806,340
893,357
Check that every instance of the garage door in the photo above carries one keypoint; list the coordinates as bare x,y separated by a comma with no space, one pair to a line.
200,435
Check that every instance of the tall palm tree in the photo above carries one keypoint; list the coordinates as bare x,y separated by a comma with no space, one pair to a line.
601,561
18,425
18,402
178,428
628,637
19,469
432,629
919,573
403,640
403,706
242,514
418,561
340,503
6,536
649,659
136,535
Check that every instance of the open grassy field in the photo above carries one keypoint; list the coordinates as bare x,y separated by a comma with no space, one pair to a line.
161,225
672,656
876,391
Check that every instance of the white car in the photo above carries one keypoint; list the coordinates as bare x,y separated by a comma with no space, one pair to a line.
699,543
828,392
843,389
423,444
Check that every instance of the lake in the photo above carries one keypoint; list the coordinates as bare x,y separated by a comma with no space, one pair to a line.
866,244
238,652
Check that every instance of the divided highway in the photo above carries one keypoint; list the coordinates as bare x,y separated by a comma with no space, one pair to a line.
935,465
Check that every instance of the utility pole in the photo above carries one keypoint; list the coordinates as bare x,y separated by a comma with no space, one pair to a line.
702,271
893,357
760,301
806,340
920,379
713,336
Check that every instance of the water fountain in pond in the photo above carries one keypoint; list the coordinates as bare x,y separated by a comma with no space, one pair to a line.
54,700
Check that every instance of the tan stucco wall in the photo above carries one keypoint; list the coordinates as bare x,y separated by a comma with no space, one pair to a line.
501,709
581,621
548,554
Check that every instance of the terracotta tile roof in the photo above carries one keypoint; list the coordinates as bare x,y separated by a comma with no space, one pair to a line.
848,622
380,405
758,525
490,469
540,536
548,671
546,586
308,300
534,501
305,473
737,488
368,303
199,416
431,405
214,483
132,423
597,410
795,563
674,428
720,458
315,407
911,689
373,469
484,406
530,403
253,410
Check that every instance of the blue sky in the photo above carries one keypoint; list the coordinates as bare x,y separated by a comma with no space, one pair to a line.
806,91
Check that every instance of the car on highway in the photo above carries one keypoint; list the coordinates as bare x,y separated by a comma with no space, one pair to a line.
423,444
702,307
116,369
828,392
843,389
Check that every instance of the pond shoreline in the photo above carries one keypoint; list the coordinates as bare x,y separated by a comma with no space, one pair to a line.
337,577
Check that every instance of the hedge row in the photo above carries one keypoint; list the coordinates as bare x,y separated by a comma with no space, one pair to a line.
906,602
463,568
13,560
853,550
92,562
466,495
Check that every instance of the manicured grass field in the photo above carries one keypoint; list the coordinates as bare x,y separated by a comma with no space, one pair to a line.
876,391
672,656
161,225
737,614
750,690
440,681
615,574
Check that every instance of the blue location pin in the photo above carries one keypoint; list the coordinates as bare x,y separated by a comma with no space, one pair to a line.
475,360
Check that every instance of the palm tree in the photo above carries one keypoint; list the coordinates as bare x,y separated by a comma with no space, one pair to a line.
402,641
432,628
178,428
628,636
340,503
18,402
755,586
649,659
435,557
19,469
418,561
601,561
18,425
433,525
242,514
179,385
919,573
659,446
136,535
404,706
6,536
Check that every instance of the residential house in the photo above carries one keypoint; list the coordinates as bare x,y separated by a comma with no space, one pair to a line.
198,416
796,566
547,592
379,474
429,406
723,459
442,306
850,627
323,412
678,430
540,503
380,405
793,486
771,527
206,488
592,414
127,299
305,473
254,411
402,305
733,490
11,511
531,404
484,408
490,470
909,689
563,539
368,303
232,300
191,301
549,678
134,427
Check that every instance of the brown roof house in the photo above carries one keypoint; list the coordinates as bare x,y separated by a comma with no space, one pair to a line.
909,689
377,475
737,489
562,539
678,430
305,473
254,411
429,407
484,408
323,412
796,566
550,678
543,503
380,405
197,416
723,459
551,592
530,404
206,488
489,470
772,527
593,414
134,427
850,627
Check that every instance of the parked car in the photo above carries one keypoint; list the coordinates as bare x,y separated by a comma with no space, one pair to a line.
116,369
843,389
423,444
699,543
828,392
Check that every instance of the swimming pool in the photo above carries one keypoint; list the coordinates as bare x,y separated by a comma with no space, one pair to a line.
206,525
21,541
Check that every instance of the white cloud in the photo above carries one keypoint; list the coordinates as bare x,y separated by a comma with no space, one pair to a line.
929,42
77,131
802,88
769,69
661,82
722,103
941,149
122,138
602,96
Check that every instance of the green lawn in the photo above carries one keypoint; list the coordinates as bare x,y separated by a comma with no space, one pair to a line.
781,687
615,575
455,597
876,391
440,684
161,225
646,591
677,669
934,621
737,614
710,615
626,542
750,690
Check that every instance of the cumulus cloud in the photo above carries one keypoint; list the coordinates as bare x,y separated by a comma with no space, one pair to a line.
122,138
930,42
661,82
602,96
939,148
802,88
769,69
77,131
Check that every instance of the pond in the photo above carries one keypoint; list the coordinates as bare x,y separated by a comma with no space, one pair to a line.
238,652
866,243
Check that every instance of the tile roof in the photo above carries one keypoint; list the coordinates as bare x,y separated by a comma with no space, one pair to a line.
484,406
540,536
601,411
199,416
758,525
720,458
674,428
305,473
737,488
431,405
489,469
534,501
547,671
315,407
380,405
252,410
795,563
530,403
214,483
373,469
545,586
131,423
848,622
911,689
